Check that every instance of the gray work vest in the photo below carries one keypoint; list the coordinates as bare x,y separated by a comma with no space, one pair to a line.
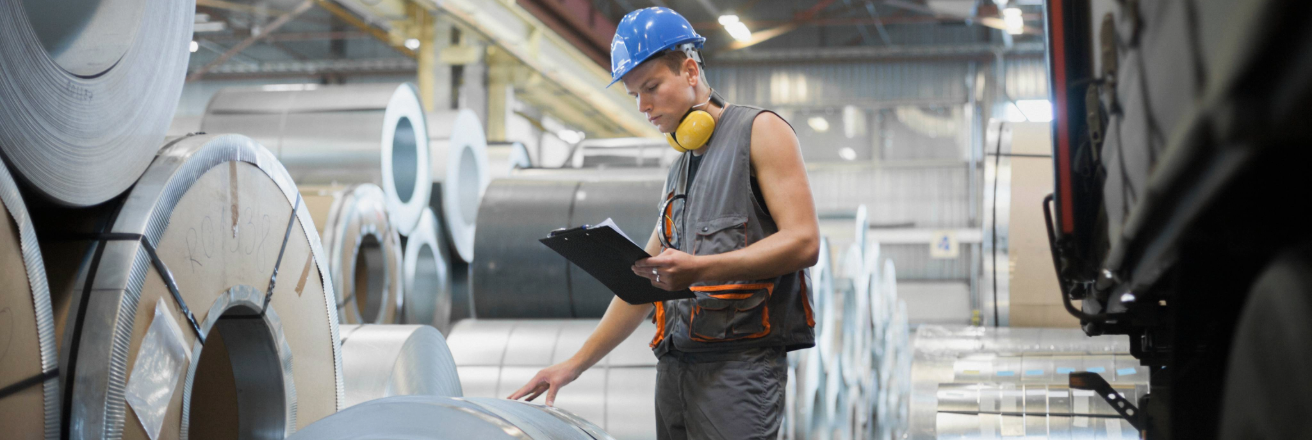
722,213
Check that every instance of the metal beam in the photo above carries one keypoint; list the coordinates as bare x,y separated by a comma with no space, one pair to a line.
287,50
319,67
710,8
213,47
299,36
838,21
273,26
553,62
573,28
352,20
426,76
876,53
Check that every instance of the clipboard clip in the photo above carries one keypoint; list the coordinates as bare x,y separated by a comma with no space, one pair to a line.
560,231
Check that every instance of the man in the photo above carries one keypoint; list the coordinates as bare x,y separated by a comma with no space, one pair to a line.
737,226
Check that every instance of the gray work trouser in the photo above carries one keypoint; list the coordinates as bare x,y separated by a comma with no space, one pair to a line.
726,396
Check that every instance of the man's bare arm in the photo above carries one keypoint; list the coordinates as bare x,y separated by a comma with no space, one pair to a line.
620,320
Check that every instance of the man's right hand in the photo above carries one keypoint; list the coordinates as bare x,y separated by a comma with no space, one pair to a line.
549,380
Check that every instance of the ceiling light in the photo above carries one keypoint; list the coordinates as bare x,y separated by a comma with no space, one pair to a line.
818,123
194,46
1015,23
847,153
412,44
737,29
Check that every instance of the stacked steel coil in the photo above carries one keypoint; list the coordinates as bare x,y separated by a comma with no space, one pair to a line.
29,404
979,382
183,277
365,259
459,176
853,383
200,240
451,418
396,360
88,92
365,133
427,275
497,357
377,134
515,276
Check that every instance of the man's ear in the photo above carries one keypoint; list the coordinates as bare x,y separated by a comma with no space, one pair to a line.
692,71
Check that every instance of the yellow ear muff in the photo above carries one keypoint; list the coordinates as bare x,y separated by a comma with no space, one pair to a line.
693,131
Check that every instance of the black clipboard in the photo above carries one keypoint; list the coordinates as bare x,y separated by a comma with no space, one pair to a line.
608,256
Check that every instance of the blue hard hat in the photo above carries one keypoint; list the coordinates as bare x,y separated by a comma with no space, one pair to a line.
647,32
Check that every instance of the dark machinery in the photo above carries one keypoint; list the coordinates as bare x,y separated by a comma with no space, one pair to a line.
1181,146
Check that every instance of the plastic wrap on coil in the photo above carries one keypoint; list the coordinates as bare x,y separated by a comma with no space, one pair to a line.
324,135
28,353
451,418
497,357
427,276
195,221
459,175
515,276
396,360
89,92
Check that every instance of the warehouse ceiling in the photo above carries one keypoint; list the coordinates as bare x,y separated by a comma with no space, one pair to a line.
273,38
322,39
828,24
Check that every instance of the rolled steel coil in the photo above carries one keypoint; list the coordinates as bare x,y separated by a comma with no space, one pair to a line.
396,360
591,174
503,158
1030,399
204,234
826,313
623,153
451,418
497,357
29,358
940,352
89,91
861,233
427,276
995,426
365,259
810,394
460,175
326,135
1046,368
515,276
1045,410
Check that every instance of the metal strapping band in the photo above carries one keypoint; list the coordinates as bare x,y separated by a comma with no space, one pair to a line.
273,279
160,267
28,383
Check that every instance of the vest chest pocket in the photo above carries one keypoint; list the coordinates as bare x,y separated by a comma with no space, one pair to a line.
730,312
721,235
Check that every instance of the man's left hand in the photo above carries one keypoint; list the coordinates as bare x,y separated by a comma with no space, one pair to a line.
672,270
